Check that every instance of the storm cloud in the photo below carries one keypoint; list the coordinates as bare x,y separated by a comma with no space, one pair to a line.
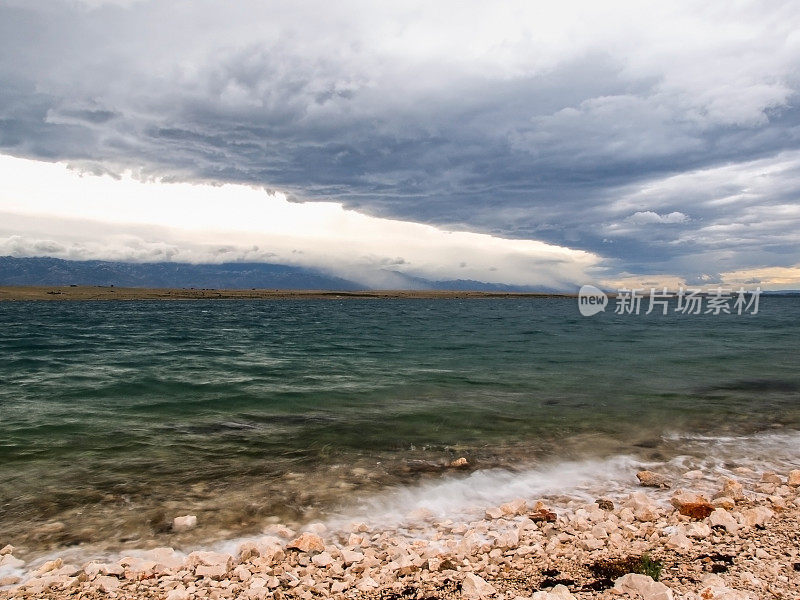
663,137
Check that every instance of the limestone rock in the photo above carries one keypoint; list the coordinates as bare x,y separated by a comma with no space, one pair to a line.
698,531
758,516
475,586
731,489
794,478
7,549
494,513
694,506
307,542
722,518
515,507
209,559
323,559
605,504
650,479
642,586
559,592
350,557
184,523
725,502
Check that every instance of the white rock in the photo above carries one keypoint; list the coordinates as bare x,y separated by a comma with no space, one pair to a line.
680,542
323,559
307,542
698,531
515,507
184,523
475,586
209,559
722,518
794,478
106,584
10,561
642,586
366,584
758,516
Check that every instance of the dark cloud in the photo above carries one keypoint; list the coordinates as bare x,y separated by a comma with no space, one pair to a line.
565,141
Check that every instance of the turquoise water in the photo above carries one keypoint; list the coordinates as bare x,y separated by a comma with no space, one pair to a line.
115,416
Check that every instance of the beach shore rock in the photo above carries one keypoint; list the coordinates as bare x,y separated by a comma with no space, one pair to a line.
636,546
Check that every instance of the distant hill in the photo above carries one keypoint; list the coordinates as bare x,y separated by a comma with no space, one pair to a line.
56,271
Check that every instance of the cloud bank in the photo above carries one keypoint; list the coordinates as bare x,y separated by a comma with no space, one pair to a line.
50,210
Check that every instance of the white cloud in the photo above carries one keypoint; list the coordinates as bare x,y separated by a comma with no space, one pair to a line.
648,217
49,210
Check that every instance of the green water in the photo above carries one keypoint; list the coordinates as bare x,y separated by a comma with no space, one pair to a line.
116,415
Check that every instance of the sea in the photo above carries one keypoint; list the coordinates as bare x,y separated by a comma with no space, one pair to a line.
117,416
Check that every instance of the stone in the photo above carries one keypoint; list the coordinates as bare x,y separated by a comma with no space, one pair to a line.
724,502
770,477
730,489
540,514
494,513
179,593
7,549
106,584
211,571
474,586
8,560
323,559
515,507
350,557
758,516
279,530
642,586
367,584
698,531
694,506
794,478
307,542
459,463
164,557
184,523
559,592
722,518
693,474
605,504
650,479
209,559
679,542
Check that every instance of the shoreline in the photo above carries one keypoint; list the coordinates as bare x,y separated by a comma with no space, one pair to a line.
708,532
84,293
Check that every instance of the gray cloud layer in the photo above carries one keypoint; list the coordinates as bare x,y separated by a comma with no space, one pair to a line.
478,117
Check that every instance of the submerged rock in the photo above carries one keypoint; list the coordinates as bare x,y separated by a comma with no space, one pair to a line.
184,523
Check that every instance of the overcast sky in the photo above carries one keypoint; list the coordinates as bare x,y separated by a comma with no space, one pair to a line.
521,142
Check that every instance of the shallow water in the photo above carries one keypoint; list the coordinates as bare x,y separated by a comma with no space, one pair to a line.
117,416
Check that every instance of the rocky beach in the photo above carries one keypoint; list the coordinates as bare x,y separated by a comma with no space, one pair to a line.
693,536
